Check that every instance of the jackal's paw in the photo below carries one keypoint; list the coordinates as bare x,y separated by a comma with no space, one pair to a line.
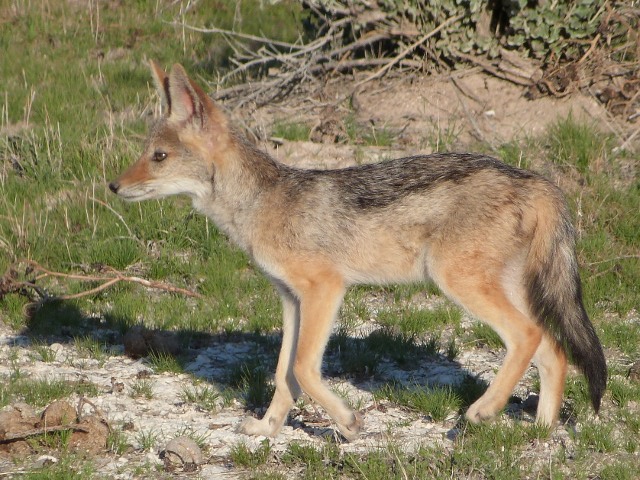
352,431
478,413
253,426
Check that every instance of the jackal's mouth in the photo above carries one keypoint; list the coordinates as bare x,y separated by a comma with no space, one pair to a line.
138,197
136,194
135,198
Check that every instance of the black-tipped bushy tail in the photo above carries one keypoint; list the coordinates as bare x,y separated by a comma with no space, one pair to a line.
555,296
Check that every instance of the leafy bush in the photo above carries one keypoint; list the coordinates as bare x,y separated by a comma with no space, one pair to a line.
541,28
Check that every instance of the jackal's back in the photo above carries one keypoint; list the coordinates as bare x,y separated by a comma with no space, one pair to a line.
433,191
382,184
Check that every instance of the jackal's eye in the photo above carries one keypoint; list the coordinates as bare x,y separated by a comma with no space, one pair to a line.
159,156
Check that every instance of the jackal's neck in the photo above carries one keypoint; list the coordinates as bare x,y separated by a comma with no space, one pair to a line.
264,171
247,175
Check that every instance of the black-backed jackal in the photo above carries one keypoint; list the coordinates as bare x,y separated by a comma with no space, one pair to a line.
496,239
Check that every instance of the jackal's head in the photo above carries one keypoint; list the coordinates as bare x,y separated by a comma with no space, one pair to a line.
183,148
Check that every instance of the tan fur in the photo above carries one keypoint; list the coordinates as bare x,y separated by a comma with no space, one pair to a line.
485,232
136,173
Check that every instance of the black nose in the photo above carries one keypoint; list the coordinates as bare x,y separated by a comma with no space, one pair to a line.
114,186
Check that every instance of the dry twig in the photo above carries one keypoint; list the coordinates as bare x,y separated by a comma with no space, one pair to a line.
11,437
10,284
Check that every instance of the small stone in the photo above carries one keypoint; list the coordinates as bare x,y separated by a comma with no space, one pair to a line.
45,461
57,348
182,452
140,341
16,419
26,411
91,435
58,413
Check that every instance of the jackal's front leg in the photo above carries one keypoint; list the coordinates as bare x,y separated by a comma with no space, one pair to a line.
320,300
287,388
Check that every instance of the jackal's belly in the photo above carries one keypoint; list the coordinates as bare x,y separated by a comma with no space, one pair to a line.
384,272
378,260
385,260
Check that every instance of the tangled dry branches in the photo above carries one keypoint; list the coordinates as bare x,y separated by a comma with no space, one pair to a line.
289,64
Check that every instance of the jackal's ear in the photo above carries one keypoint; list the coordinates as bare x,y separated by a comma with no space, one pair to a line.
188,100
161,79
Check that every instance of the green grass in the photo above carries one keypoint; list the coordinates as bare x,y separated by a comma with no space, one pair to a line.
148,439
623,391
622,335
443,138
576,394
251,380
308,455
575,144
514,154
367,135
437,402
56,167
117,442
40,392
142,388
620,470
378,137
162,362
291,131
483,334
356,357
89,347
204,396
494,450
361,356
414,321
595,437
241,455
44,352
70,467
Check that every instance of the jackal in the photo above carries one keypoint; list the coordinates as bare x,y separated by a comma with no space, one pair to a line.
496,239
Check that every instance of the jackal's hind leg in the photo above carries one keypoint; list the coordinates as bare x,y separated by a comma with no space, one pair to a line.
287,388
552,368
481,292
521,346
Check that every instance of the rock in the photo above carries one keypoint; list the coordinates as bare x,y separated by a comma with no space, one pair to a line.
57,413
93,437
45,461
58,350
182,452
634,372
140,341
16,419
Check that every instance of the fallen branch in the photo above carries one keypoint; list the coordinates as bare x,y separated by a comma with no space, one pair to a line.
245,36
614,259
10,284
12,437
